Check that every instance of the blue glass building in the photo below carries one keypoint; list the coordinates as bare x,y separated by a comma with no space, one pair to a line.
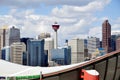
61,56
5,53
36,55
113,41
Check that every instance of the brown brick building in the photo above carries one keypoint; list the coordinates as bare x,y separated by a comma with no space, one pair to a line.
106,36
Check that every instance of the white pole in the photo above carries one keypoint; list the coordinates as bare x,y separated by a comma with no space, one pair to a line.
40,75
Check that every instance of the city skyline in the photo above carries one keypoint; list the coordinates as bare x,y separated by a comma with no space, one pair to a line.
85,17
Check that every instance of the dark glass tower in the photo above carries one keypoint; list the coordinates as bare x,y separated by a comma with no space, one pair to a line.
106,36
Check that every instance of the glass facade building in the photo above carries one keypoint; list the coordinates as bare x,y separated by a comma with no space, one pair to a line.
36,55
61,56
5,53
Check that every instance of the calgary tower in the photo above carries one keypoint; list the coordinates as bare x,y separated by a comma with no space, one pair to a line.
55,27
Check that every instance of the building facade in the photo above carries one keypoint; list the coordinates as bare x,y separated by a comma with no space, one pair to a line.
118,44
92,44
44,35
35,53
3,32
5,53
106,36
13,35
61,56
78,50
49,45
114,38
16,52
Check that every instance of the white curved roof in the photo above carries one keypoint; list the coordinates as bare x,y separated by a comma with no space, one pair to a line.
8,69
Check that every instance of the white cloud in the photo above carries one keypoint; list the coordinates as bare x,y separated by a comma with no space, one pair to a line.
116,26
81,11
95,32
75,19
37,3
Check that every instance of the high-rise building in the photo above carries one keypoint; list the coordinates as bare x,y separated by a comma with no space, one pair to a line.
5,53
35,53
49,45
24,40
106,36
3,32
92,44
118,44
13,35
78,50
16,52
44,35
61,56
114,37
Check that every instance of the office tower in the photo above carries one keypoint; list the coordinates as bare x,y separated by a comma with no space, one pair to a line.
36,55
101,44
24,58
49,43
13,35
16,52
106,36
44,35
93,44
5,53
61,56
78,50
114,37
2,37
55,28
24,40
3,32
118,44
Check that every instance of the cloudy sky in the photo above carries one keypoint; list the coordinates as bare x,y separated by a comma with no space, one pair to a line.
77,18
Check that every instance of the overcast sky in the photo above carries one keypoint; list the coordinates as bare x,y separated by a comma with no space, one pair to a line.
77,18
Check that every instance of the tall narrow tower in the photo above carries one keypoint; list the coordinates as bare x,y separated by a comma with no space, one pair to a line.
106,36
55,26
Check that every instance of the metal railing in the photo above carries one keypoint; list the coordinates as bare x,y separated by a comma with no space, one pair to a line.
108,67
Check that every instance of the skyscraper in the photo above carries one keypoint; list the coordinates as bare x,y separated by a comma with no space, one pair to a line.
3,32
114,38
49,43
13,35
36,55
118,44
93,44
78,50
16,52
24,40
5,53
106,36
